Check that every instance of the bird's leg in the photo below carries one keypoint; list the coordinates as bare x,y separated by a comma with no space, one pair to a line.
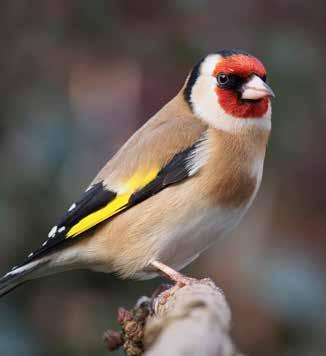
171,274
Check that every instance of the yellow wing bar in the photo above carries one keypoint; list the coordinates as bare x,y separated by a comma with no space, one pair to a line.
139,180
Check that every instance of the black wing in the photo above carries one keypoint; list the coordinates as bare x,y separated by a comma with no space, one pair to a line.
98,197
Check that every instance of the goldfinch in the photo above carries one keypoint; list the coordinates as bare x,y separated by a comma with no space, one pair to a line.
177,185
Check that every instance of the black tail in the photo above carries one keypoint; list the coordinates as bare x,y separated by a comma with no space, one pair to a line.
18,276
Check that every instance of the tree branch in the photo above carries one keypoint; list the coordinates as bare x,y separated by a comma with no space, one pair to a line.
192,320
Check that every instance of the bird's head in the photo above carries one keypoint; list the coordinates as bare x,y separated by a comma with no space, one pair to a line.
228,90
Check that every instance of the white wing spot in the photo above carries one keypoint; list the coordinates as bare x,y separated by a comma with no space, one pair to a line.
53,231
30,255
73,206
62,228
89,188
14,268
44,243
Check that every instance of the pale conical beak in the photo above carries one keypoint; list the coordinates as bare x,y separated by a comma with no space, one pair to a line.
255,88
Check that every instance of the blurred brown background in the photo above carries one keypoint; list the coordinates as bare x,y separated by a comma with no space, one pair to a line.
77,78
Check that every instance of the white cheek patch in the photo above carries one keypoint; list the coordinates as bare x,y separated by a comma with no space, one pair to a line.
204,99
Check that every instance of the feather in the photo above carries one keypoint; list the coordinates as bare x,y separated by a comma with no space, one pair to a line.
98,203
18,276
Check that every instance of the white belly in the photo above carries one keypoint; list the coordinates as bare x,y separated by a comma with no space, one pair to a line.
181,245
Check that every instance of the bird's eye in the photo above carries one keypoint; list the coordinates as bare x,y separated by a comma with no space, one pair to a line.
222,79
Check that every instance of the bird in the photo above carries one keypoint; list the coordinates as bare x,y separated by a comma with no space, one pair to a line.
179,183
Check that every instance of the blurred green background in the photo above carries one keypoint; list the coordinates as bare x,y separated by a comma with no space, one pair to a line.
77,78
